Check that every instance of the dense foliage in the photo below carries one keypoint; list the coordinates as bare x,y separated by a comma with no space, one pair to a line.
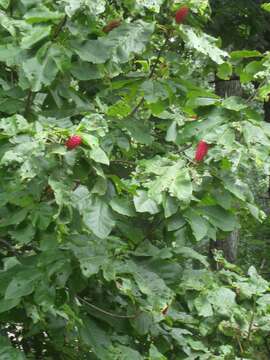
118,164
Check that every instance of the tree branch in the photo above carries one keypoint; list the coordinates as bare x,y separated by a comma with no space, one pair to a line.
107,312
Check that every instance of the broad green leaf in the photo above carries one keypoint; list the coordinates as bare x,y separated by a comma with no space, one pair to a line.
4,3
23,284
225,71
8,352
150,4
143,203
241,54
142,323
99,156
25,235
139,131
223,300
154,354
37,34
181,186
13,125
119,45
175,222
189,253
98,218
95,337
170,205
8,304
41,14
197,223
127,353
122,206
95,7
203,43
40,73
234,103
266,6
203,306
220,218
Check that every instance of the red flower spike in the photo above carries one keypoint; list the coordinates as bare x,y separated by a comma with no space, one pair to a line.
181,14
73,142
111,25
201,151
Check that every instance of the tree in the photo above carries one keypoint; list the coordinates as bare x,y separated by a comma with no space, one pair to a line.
103,203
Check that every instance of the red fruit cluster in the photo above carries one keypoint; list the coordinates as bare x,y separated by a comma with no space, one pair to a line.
73,142
111,25
201,151
181,14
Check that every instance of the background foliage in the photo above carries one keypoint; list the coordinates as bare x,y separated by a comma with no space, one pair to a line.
104,248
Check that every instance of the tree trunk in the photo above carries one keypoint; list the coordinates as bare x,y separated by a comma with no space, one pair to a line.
230,244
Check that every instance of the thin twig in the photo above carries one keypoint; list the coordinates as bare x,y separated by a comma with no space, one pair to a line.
107,312
126,162
136,108
59,27
240,346
159,56
29,101
251,320
267,345
152,72
9,246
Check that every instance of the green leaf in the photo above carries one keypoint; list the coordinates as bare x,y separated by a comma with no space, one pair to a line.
203,43
126,353
7,351
220,218
95,8
41,14
8,304
234,103
23,284
119,45
223,300
142,323
175,222
98,218
189,253
265,6
154,354
122,206
181,187
13,125
203,306
37,34
4,3
242,54
224,71
99,156
153,5
25,235
40,73
144,204
197,223
139,131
